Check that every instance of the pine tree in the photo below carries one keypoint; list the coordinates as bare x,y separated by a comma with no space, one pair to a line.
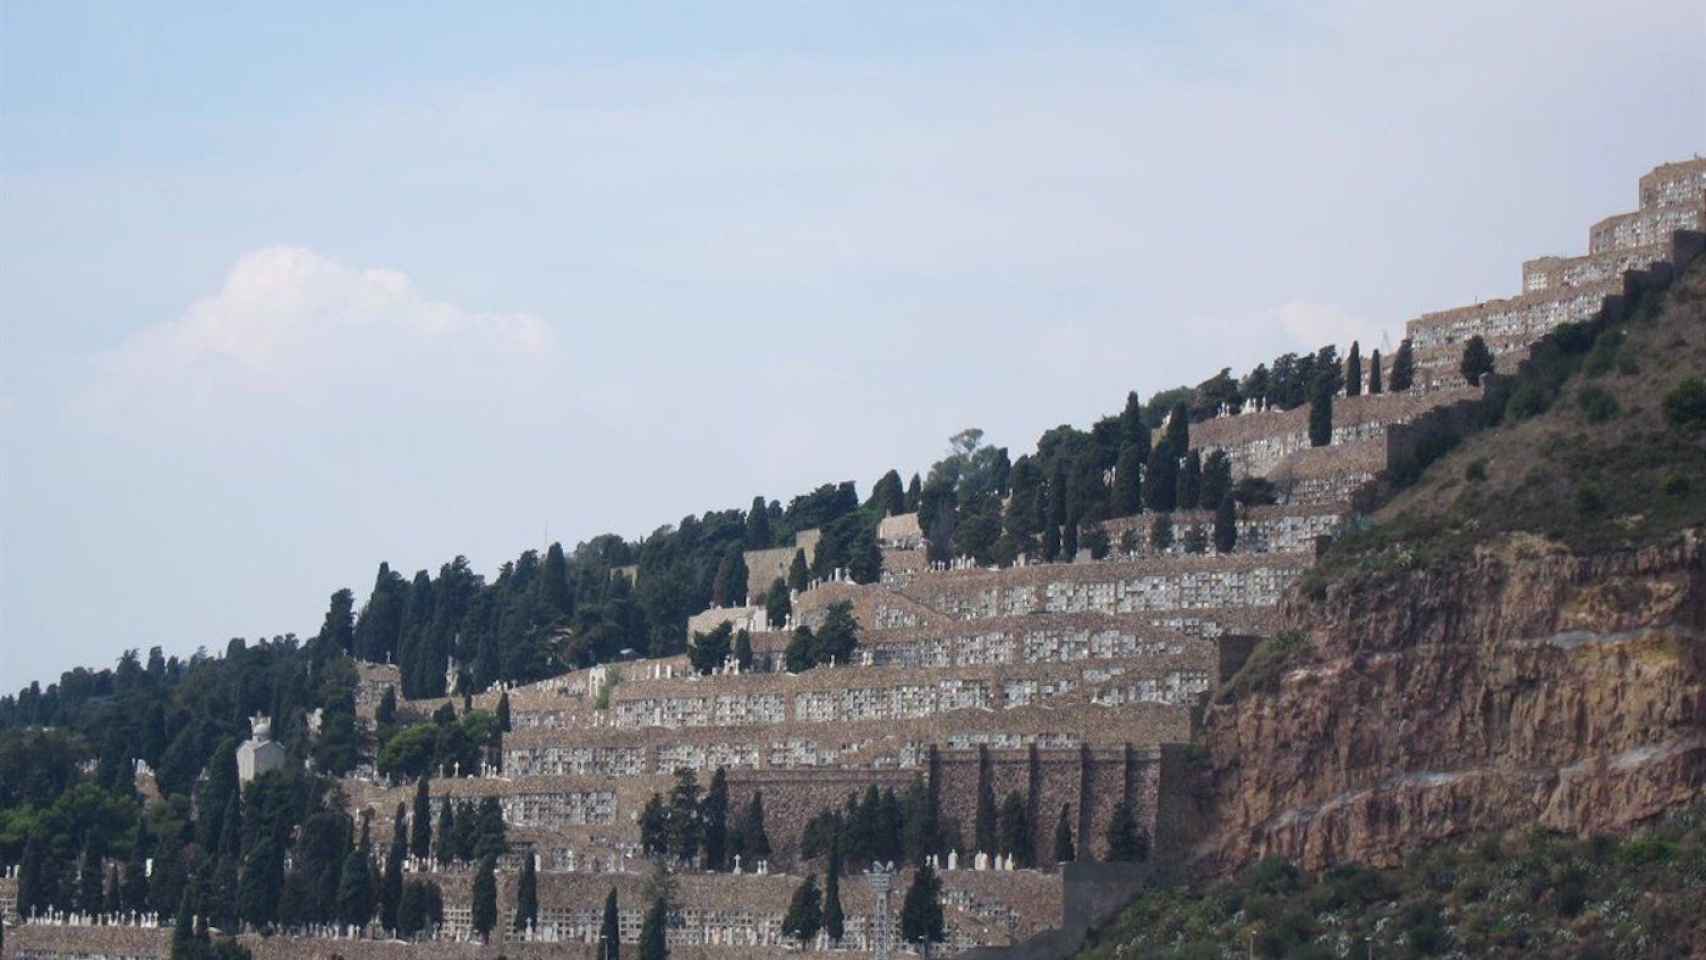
610,930
1374,385
1190,482
1321,415
484,908
1128,482
921,920
1477,360
986,836
1403,367
420,823
527,895
1064,852
805,912
714,814
1353,371
834,921
654,943
799,573
1225,525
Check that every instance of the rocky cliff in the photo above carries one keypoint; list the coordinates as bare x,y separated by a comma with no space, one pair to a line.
1523,686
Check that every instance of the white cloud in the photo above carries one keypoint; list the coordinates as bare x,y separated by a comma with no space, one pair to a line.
291,322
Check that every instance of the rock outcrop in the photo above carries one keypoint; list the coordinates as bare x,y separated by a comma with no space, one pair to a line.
1525,687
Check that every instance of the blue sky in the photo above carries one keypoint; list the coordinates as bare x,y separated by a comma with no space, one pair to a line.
288,290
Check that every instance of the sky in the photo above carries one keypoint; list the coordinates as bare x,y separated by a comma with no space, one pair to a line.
287,290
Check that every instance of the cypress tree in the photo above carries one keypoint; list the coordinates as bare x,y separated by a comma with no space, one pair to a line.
355,899
755,841
1064,852
1374,385
714,813
834,921
503,712
183,926
89,880
805,912
1216,478
134,894
1126,842
1161,533
386,714
527,895
921,920
1128,482
1477,360
985,825
654,944
777,608
261,884
391,888
1015,830
1160,479
1178,436
887,496
1353,371
484,908
112,901
914,494
420,823
337,632
1321,414
799,573
758,534
447,850
1069,542
1403,367
1225,525
610,930
1190,482
1134,432
1051,543
37,890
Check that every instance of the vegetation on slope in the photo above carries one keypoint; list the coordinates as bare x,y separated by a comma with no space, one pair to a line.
1597,443
1536,896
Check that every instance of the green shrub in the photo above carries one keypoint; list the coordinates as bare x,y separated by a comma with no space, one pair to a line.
1530,399
1476,472
1597,405
1646,850
1685,405
1589,501
1676,485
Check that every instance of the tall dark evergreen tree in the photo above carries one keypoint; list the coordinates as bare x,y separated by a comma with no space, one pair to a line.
1216,478
1128,482
1134,431
1321,415
914,494
834,920
714,814
1161,480
1178,435
1161,533
751,840
1064,851
1225,525
337,633
921,919
1126,840
1353,371
90,880
986,827
134,893
484,905
1374,384
799,573
261,884
1015,830
503,712
758,535
805,912
610,930
654,942
778,606
38,887
446,849
1189,496
1477,360
527,895
1403,367
887,497
420,820
391,887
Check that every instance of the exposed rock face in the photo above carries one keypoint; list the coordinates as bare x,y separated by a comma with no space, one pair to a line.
1526,687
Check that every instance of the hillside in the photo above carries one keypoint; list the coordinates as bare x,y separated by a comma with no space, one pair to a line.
1504,655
